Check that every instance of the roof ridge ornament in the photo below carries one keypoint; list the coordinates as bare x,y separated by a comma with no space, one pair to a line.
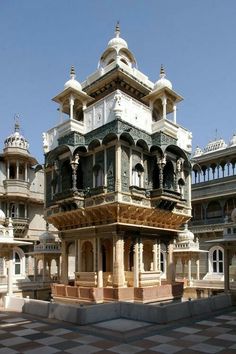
72,72
162,71
117,30
17,124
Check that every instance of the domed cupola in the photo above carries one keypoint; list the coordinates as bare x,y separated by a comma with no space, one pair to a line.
117,51
72,83
198,152
162,82
16,140
233,140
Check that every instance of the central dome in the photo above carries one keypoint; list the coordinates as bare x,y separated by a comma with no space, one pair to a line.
117,52
117,42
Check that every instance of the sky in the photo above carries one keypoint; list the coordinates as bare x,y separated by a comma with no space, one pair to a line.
194,40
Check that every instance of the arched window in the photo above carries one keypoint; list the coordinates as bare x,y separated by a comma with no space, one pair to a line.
66,176
98,175
137,175
168,176
162,262
156,177
216,260
18,261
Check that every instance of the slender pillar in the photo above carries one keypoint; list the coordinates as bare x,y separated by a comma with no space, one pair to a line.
226,269
141,267
164,103
44,267
136,264
8,169
17,169
174,114
118,262
105,167
170,265
189,269
79,255
118,167
26,172
10,274
35,269
71,107
64,263
58,268
198,269
154,250
99,266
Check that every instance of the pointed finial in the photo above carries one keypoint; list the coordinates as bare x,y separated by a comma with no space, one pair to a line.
162,71
17,124
72,72
117,31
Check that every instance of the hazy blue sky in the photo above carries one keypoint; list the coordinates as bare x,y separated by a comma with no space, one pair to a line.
194,39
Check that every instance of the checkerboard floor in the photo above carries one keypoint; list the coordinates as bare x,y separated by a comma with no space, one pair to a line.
21,333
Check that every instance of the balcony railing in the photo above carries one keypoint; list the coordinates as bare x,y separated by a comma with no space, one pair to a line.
16,187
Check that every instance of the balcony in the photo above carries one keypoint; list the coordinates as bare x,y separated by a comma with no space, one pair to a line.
16,188
214,188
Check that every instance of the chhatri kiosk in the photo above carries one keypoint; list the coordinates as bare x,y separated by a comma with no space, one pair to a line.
117,175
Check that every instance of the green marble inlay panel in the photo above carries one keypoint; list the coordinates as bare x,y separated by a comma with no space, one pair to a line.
125,175
110,169
160,139
73,138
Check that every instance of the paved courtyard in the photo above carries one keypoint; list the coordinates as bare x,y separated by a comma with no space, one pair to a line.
20,333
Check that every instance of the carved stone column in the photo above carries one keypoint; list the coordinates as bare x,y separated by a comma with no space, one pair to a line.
226,269
170,264
161,162
99,264
64,263
136,264
118,261
10,274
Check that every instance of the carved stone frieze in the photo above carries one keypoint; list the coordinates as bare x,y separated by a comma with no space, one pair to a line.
74,138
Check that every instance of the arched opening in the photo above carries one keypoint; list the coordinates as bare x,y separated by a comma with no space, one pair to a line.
137,175
71,261
168,176
66,179
147,256
216,257
156,177
98,175
87,257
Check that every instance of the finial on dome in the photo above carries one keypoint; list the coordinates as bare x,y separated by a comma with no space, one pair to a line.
17,124
117,30
162,71
72,72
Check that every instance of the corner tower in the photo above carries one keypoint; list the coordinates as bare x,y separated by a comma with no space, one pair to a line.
118,181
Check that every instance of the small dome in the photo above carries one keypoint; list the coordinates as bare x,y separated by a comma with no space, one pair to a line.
197,152
162,82
117,51
47,237
16,140
233,215
117,42
2,217
233,140
72,82
185,235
